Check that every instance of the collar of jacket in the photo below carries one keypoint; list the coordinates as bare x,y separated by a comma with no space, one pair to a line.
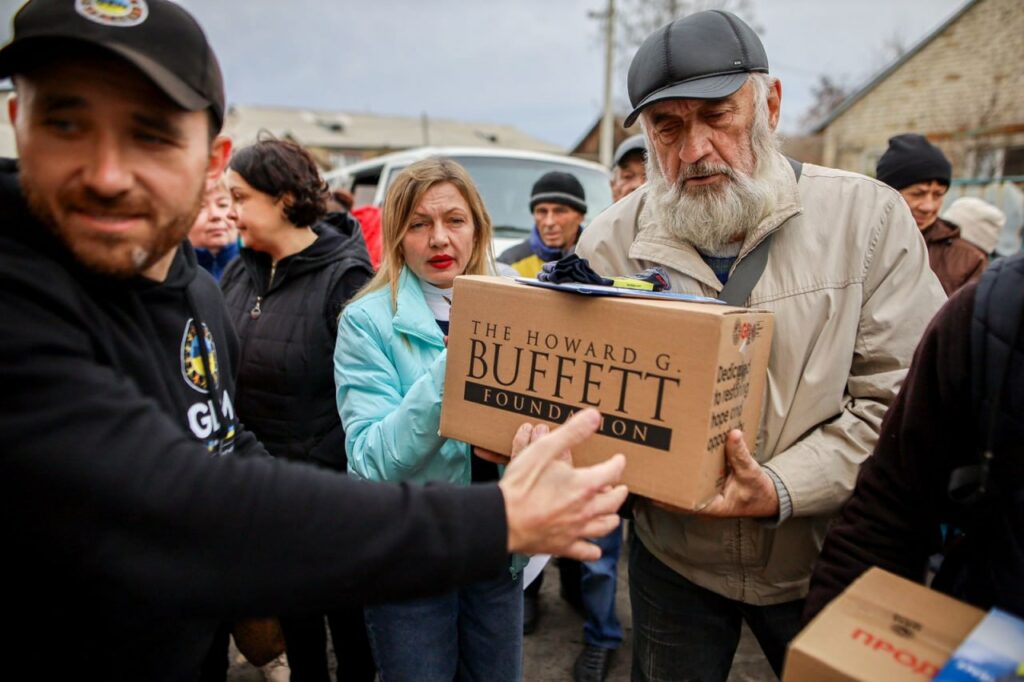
940,231
656,244
412,314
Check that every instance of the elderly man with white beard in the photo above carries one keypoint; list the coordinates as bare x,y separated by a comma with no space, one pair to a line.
837,258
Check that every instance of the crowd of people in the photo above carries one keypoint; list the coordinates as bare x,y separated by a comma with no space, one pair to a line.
245,423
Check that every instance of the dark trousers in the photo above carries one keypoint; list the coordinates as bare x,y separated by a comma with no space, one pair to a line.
306,639
684,632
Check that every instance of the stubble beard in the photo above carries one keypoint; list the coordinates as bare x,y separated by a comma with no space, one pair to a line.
711,216
115,255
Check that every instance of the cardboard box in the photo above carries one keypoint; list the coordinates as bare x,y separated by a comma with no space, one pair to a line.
883,627
671,378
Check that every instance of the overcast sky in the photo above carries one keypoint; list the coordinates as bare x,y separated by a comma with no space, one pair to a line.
536,64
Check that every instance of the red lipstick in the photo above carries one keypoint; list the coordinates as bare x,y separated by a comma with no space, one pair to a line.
441,262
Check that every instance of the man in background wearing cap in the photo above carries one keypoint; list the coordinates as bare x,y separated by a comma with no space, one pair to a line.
628,166
558,204
836,258
128,537
920,172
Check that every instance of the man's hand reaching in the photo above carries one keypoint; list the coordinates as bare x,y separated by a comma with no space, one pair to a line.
553,508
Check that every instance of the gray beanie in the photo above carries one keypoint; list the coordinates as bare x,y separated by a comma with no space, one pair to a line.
979,221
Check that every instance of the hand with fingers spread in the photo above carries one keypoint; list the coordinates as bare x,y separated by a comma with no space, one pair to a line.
553,508
748,490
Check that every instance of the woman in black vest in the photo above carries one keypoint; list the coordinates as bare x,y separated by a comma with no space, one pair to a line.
298,268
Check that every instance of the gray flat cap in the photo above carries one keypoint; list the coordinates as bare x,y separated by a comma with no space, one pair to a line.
707,55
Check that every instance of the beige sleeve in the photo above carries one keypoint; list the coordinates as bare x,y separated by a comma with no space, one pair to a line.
900,296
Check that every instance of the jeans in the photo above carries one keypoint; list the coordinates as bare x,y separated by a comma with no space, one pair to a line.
598,581
306,639
472,634
685,632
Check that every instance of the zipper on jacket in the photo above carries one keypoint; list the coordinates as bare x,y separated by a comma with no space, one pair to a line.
256,310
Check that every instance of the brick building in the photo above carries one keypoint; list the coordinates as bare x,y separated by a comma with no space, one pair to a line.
962,87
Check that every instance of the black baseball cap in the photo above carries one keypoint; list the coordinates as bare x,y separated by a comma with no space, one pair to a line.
156,36
706,55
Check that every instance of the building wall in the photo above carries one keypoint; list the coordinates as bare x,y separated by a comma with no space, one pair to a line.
964,90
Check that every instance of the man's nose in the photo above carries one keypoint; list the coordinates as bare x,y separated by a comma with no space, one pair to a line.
107,174
695,145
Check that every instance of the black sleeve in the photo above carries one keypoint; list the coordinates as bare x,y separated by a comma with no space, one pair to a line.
343,289
893,518
104,493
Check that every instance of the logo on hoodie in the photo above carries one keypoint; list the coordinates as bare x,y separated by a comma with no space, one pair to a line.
193,368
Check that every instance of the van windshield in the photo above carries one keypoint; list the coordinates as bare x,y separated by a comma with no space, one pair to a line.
505,185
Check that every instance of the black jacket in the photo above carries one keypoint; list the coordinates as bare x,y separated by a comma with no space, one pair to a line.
934,427
288,326
126,541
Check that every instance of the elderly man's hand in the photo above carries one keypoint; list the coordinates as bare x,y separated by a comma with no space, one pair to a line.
749,490
553,508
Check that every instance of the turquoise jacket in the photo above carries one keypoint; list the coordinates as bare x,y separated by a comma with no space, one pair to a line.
389,370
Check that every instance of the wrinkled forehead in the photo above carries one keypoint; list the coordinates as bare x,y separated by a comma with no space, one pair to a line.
671,108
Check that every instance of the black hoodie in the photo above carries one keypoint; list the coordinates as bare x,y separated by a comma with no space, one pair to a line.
126,540
287,318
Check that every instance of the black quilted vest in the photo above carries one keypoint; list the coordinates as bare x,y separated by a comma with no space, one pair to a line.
991,568
286,393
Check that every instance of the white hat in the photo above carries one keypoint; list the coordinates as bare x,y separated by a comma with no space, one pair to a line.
979,221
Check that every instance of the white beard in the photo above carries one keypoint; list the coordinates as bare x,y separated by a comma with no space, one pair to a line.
711,217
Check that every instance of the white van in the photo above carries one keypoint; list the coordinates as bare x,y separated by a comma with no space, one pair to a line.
503,176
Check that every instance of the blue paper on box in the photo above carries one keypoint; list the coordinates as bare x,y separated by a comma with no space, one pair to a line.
993,652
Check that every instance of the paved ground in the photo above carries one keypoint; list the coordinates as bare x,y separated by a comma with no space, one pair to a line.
549,652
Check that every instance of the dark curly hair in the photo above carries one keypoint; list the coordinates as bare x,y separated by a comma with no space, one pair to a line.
279,168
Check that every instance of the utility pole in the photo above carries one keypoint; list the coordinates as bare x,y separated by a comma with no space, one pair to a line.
608,122
606,145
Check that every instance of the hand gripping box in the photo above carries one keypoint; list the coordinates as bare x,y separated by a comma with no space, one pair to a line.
671,378
883,627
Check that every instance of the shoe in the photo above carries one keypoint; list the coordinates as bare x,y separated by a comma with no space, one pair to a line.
592,664
531,612
277,670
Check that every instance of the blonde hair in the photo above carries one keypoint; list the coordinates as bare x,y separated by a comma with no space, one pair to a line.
403,196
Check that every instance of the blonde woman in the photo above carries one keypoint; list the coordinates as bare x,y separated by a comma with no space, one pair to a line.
389,368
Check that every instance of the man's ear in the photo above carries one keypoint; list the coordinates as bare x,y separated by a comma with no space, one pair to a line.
774,102
220,154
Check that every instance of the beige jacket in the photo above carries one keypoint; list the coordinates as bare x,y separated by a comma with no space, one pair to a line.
849,283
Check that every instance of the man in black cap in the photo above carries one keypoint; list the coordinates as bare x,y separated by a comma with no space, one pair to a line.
558,204
628,166
837,259
920,172
138,512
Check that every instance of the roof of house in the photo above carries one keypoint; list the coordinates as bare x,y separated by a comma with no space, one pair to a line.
889,70
346,130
